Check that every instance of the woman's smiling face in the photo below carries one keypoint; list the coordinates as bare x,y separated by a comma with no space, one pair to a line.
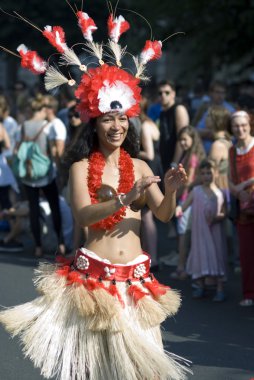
112,129
241,127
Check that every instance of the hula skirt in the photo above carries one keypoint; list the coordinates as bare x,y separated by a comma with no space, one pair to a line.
98,321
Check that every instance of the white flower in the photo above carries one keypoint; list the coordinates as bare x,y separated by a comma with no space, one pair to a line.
139,271
109,272
82,262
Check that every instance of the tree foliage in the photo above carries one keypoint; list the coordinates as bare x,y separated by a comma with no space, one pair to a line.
218,31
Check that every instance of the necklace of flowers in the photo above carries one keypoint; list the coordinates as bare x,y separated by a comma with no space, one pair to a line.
96,164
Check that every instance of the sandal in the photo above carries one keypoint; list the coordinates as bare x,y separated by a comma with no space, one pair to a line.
247,302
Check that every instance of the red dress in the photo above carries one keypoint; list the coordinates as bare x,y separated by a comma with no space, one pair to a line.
244,165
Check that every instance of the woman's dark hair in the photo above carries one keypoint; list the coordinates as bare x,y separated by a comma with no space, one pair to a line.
207,163
86,141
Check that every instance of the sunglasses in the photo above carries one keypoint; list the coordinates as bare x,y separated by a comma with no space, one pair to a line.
76,115
164,92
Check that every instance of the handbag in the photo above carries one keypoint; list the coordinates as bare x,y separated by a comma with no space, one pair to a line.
29,162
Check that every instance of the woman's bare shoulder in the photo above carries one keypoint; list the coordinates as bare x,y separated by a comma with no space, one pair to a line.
141,166
79,166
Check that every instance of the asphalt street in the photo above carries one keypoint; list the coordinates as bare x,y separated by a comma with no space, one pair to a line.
217,338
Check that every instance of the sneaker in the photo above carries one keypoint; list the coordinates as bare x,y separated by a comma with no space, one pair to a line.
11,246
246,302
219,297
198,293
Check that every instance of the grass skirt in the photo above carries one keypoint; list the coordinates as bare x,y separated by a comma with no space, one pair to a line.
98,328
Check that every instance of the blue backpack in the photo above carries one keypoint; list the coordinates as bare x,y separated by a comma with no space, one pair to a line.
29,162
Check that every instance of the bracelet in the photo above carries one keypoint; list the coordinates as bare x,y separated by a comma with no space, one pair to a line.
119,197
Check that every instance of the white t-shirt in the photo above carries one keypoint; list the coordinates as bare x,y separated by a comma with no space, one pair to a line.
57,130
241,151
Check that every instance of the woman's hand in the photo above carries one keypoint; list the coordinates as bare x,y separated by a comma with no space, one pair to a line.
175,178
139,188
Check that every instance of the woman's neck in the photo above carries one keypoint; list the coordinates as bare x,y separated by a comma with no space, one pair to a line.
37,116
244,143
111,156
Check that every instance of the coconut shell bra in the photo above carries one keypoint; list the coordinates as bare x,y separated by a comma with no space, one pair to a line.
100,192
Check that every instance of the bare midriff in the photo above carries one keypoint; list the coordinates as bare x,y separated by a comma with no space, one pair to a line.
119,245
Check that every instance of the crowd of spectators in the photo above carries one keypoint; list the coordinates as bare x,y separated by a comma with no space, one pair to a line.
201,130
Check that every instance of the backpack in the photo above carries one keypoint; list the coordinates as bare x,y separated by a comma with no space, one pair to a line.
29,162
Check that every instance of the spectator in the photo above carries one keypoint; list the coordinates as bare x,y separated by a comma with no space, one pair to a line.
208,245
58,135
241,184
172,118
218,121
7,179
197,98
217,95
193,154
10,125
75,124
149,152
58,132
47,183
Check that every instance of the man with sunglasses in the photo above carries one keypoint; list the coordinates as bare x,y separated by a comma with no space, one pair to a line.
173,117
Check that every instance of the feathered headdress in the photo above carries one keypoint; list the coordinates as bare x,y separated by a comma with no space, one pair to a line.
106,88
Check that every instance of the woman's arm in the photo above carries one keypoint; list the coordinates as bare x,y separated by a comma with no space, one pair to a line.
6,139
163,207
147,142
182,120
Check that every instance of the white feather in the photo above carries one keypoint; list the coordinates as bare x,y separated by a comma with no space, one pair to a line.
23,48
39,66
54,78
140,70
69,57
48,28
146,55
117,51
96,49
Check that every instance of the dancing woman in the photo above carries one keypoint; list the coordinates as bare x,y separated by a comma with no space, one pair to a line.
99,313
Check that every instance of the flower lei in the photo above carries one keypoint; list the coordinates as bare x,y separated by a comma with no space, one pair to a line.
96,164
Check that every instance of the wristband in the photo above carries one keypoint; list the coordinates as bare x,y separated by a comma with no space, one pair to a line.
119,197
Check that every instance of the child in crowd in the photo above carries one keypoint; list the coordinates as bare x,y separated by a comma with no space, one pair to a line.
193,154
208,245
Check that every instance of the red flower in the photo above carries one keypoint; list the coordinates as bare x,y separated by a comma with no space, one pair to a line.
93,81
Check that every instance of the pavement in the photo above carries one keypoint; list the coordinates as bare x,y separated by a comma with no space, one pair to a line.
217,338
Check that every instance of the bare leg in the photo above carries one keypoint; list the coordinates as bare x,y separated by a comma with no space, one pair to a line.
16,229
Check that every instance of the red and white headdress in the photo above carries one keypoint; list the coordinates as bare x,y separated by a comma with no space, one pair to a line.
106,88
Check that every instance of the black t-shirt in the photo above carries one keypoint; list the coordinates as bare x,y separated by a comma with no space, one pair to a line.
168,136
